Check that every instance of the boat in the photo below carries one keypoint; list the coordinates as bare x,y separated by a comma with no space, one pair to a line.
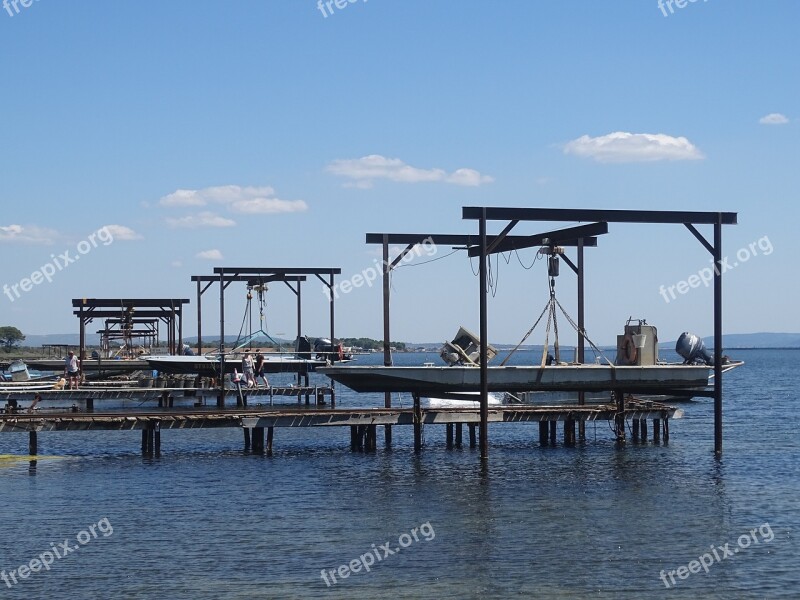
570,377
636,370
209,365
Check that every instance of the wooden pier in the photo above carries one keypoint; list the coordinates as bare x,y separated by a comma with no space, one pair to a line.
363,422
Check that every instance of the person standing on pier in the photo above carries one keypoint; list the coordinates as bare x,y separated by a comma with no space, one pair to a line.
260,370
71,370
248,367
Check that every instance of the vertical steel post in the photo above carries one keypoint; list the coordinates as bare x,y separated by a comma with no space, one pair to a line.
718,335
82,341
484,331
333,339
581,333
387,352
221,382
199,322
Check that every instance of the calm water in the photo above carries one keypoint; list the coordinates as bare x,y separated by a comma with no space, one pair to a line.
207,521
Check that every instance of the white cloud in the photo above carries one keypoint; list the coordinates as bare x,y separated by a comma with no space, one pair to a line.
774,119
176,263
27,234
203,219
268,206
620,147
363,171
122,233
249,200
210,254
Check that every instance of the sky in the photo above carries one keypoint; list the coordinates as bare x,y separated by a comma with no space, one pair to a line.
154,141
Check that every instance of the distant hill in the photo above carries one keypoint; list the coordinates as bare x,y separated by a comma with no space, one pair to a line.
757,340
750,340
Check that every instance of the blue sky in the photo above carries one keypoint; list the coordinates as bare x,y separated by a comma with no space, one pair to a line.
266,134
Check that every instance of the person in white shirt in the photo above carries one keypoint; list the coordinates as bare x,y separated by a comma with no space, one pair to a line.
72,370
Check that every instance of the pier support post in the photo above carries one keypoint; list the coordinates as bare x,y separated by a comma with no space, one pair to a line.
666,430
373,438
258,440
449,435
144,440
656,430
246,438
33,445
643,427
150,439
458,435
569,432
553,432
544,432
417,425
619,419
353,438
635,430
90,405
270,435
387,436
157,438
472,440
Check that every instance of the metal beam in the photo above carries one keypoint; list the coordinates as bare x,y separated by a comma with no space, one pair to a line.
123,303
700,237
558,237
606,215
277,271
446,239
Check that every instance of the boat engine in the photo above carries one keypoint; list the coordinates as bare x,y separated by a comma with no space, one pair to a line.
693,350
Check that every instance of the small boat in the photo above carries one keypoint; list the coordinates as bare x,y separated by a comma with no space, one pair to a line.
209,365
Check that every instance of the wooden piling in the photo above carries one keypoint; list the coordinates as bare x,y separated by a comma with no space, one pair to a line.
643,426
246,439
449,435
353,438
635,430
544,433
472,440
458,435
144,440
417,425
258,440
33,445
157,438
569,432
619,419
656,430
553,432
387,436
150,439
666,430
270,435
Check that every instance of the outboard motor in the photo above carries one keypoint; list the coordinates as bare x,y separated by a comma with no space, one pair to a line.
693,350
303,348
